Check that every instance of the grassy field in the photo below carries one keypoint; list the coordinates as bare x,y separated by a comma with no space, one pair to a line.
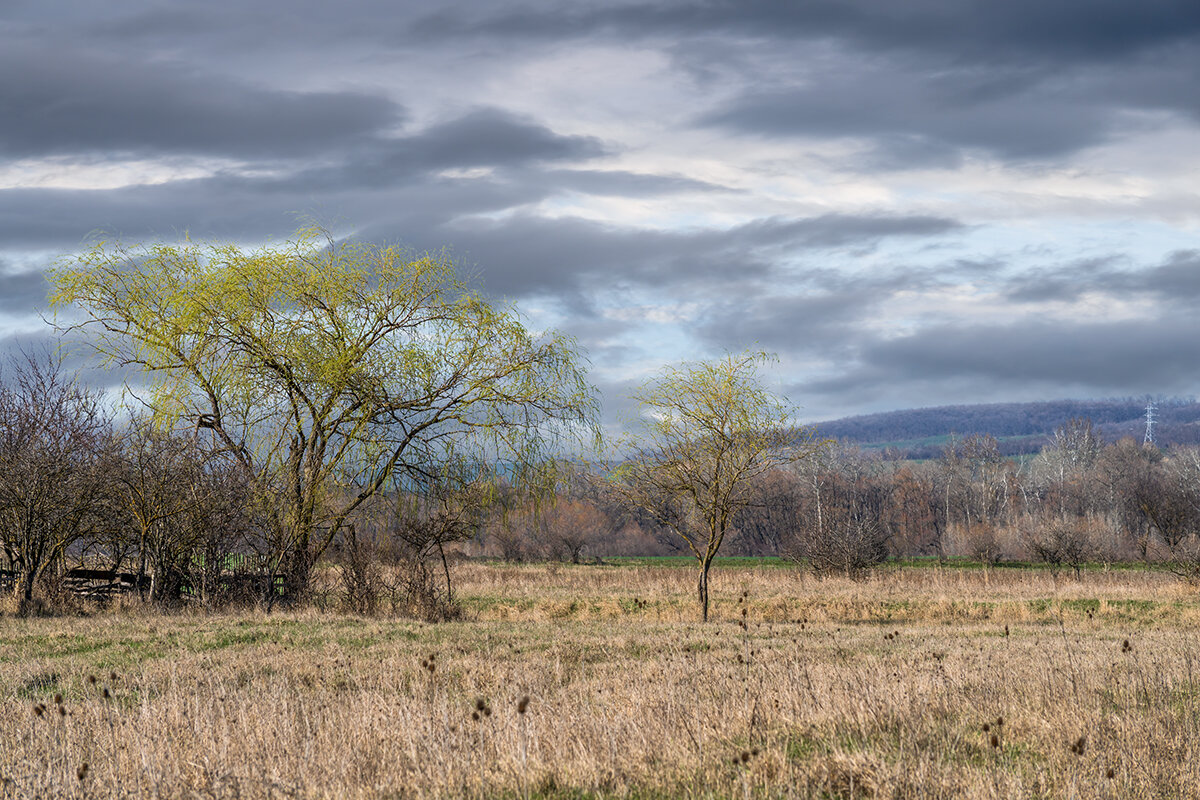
577,682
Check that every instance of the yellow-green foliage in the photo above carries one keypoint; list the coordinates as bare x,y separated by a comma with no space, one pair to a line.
330,369
707,431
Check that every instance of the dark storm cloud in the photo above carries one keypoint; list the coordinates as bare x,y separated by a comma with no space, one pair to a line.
485,137
385,177
491,136
823,312
919,82
1019,30
913,123
1121,356
1175,280
239,208
619,183
526,254
1103,29
22,292
69,102
819,322
78,359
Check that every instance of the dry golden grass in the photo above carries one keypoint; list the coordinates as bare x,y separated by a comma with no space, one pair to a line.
895,687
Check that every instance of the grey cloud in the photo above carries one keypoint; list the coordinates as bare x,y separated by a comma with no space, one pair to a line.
906,116
821,323
78,357
1175,280
620,183
73,102
492,136
900,151
919,82
1118,356
482,138
838,230
239,208
384,177
811,312
518,255
22,292
526,254
1016,31
1013,31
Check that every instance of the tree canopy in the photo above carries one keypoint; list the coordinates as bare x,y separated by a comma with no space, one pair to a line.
329,369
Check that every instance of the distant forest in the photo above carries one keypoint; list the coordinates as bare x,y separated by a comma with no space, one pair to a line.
1020,428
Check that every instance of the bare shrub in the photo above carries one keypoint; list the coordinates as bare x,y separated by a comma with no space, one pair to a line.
1184,560
512,537
361,572
982,543
849,542
424,531
842,529
1062,543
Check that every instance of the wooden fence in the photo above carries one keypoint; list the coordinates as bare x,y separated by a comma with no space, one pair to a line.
243,583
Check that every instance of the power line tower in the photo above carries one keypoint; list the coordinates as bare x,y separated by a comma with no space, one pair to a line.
1149,437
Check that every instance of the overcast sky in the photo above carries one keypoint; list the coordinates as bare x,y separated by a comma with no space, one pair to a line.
913,203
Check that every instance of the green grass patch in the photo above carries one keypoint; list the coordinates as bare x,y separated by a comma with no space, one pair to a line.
690,562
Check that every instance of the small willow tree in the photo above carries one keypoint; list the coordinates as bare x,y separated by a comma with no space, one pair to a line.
330,370
707,432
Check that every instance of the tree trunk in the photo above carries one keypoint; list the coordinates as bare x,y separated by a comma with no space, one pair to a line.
27,580
297,577
703,588
446,570
141,572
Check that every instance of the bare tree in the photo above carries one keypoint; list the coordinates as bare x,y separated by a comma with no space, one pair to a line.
185,507
53,436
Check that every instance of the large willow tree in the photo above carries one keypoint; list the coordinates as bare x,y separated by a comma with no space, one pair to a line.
330,370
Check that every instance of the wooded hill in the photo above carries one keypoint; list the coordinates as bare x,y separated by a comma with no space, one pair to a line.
1021,428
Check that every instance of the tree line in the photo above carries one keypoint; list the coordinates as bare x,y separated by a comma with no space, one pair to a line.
844,509
335,403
